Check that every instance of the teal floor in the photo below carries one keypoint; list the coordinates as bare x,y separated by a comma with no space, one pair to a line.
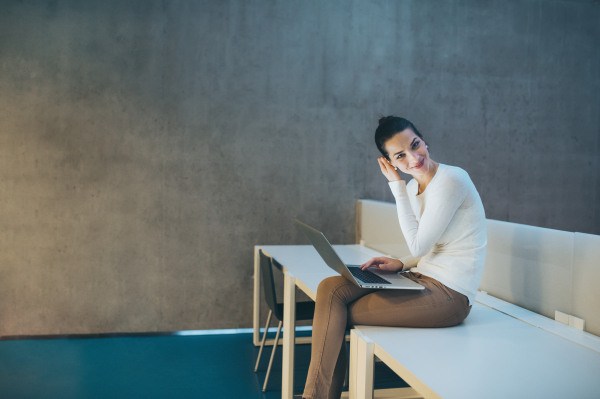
198,366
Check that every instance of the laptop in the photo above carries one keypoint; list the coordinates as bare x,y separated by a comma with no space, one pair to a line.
363,278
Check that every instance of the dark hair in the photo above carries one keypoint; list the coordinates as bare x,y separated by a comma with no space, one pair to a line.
388,127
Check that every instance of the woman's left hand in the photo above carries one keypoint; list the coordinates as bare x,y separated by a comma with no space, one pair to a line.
388,170
383,263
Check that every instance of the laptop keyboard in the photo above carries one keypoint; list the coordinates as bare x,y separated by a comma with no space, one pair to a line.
367,276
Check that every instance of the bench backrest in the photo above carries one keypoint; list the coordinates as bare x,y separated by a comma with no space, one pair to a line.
539,269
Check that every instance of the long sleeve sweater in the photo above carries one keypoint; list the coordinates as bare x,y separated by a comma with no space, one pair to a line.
445,229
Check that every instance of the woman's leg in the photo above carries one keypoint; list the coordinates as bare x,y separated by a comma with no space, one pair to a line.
328,336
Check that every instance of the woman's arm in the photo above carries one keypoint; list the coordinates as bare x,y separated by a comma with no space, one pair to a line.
440,207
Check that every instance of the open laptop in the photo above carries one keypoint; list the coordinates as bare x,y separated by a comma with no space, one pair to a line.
363,278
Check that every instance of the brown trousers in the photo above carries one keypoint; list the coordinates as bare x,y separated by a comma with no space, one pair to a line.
341,304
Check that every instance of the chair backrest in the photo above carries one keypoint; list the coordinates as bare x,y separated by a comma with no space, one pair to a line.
266,270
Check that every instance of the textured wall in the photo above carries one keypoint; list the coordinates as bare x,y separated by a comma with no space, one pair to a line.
146,146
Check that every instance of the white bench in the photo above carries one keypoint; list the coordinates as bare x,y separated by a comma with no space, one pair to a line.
501,350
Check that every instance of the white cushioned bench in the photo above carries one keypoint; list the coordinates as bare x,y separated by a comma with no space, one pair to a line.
509,346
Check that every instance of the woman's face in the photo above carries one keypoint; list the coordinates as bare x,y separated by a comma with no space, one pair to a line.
408,153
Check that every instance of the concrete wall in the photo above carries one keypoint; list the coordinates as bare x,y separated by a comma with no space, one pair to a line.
146,146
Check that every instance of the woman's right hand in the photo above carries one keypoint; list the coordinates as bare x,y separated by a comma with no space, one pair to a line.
383,263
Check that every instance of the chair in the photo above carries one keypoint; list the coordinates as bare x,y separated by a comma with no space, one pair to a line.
304,310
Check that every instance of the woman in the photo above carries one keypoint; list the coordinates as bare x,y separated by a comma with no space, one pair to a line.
443,222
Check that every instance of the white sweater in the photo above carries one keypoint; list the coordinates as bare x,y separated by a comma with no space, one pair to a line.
445,229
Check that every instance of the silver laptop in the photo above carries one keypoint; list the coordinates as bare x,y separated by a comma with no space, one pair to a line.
372,278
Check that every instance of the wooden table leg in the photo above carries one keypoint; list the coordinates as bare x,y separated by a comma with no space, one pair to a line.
289,334
352,372
362,360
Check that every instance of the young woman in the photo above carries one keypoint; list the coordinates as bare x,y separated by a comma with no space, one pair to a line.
443,222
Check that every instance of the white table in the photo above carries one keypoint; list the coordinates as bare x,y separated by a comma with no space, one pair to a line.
302,267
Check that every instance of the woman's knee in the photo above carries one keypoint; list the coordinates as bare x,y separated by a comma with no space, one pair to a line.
341,288
329,285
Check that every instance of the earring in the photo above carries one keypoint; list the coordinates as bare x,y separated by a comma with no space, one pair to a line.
426,146
395,168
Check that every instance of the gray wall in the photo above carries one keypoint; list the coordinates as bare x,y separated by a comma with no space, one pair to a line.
147,146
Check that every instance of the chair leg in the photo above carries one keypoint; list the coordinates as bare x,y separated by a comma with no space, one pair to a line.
264,338
272,356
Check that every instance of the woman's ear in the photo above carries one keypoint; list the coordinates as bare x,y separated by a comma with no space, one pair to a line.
390,162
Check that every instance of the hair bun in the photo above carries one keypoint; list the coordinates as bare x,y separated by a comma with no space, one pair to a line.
384,119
